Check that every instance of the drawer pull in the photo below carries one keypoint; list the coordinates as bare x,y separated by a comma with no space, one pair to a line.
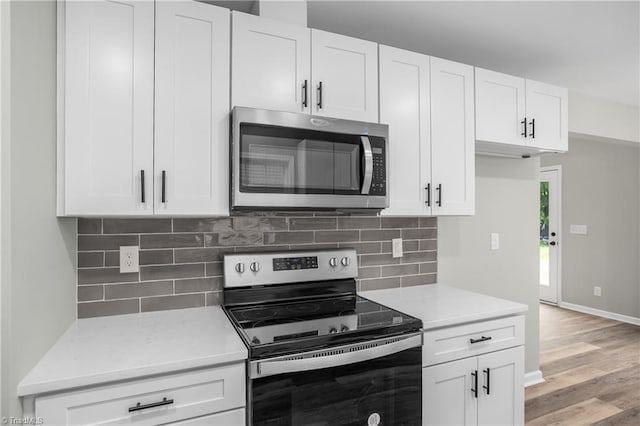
481,339
139,406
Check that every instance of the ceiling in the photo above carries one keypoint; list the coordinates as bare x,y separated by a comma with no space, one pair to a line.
592,47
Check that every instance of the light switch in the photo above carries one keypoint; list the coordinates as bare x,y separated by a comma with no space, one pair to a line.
578,229
495,241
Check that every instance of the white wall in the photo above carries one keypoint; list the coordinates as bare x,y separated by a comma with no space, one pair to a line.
600,190
507,202
603,118
4,32
38,250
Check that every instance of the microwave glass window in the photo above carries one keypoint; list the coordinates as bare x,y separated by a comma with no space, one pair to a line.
295,161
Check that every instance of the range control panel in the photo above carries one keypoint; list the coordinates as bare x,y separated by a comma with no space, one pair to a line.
291,263
264,268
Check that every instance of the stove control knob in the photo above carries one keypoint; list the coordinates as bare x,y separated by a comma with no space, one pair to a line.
240,267
343,328
333,262
345,261
254,266
333,330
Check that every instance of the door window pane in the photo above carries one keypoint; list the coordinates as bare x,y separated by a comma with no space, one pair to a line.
544,233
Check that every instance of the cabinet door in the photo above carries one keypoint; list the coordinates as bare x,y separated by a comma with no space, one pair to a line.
447,393
502,373
404,106
347,70
107,110
452,138
192,109
547,105
500,107
271,63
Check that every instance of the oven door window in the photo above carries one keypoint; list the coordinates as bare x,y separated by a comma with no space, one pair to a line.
384,391
295,161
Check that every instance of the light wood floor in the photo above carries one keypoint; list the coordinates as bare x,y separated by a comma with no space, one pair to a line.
592,370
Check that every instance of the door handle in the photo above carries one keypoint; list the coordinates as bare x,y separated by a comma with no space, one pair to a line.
533,128
552,243
428,189
439,189
474,389
524,127
320,95
163,190
142,197
367,166
304,94
487,371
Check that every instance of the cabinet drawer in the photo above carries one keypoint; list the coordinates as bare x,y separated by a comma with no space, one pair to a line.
447,344
228,418
188,394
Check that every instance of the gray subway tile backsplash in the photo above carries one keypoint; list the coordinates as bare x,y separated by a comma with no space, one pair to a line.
181,258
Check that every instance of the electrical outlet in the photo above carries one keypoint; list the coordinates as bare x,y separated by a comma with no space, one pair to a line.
597,291
129,259
495,241
578,229
396,246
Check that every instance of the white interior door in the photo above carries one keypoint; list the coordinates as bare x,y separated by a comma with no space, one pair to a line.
550,233
404,106
192,109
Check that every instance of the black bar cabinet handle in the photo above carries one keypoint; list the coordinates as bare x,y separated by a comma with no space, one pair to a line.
439,189
305,99
533,128
139,406
428,189
142,198
481,339
474,389
487,371
524,127
164,186
320,95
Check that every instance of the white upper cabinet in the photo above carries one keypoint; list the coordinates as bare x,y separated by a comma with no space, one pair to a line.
452,138
105,107
404,106
547,112
270,64
500,103
192,109
110,160
345,77
519,116
285,67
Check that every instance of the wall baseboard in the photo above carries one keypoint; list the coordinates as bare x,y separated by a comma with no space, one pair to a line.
600,313
533,378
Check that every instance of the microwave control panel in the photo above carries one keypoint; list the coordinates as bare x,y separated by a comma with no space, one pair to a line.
379,179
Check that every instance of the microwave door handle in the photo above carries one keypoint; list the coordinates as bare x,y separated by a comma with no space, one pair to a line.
320,361
368,165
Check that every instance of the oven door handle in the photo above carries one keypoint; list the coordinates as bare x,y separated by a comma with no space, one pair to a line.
368,165
334,357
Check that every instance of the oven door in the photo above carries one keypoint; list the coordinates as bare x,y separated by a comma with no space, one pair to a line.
281,160
371,390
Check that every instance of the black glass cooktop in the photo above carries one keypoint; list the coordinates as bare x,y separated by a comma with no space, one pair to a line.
280,328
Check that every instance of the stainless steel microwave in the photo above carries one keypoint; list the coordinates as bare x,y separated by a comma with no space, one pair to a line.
283,160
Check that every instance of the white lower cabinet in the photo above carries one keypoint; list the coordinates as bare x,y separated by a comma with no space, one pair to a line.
212,396
483,386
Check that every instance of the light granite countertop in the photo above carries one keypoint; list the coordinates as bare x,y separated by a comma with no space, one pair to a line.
440,305
106,349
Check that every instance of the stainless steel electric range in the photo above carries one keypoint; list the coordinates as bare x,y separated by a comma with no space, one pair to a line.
319,354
